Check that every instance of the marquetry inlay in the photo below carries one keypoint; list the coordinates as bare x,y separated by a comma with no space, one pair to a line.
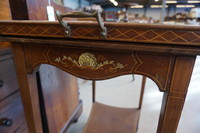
131,34
31,30
89,61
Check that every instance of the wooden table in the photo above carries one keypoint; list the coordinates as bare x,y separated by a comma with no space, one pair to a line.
164,53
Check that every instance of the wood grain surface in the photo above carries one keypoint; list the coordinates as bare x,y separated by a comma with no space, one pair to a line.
145,33
168,61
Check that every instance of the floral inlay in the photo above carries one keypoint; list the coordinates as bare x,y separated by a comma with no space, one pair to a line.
89,61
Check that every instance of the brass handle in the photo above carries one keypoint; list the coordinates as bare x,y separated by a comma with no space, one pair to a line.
1,83
77,14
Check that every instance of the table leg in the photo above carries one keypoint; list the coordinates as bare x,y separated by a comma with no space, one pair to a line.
174,98
28,91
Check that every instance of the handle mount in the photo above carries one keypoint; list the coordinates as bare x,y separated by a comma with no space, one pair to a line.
77,14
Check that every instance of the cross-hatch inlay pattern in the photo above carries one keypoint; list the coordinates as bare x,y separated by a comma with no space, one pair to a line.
31,30
154,35
123,34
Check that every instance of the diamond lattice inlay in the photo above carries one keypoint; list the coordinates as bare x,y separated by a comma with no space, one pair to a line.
114,33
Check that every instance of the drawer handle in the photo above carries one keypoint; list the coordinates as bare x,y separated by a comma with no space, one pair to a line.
6,122
1,83
77,14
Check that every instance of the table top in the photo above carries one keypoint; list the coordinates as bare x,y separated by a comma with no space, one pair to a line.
87,55
181,36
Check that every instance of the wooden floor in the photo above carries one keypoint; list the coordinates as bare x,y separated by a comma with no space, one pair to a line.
126,94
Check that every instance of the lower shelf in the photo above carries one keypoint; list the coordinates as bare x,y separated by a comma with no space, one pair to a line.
108,119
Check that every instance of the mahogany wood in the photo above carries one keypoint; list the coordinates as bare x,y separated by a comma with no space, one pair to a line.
12,117
31,107
4,45
5,10
173,100
141,33
60,102
5,15
142,92
59,91
169,63
93,90
11,110
7,72
33,9
108,119
48,99
19,9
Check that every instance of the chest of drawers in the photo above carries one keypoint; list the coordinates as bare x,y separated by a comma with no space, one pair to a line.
12,118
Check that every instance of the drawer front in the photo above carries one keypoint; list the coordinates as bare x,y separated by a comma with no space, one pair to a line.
8,80
12,118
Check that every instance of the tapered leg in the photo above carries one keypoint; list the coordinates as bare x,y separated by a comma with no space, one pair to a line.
174,98
28,91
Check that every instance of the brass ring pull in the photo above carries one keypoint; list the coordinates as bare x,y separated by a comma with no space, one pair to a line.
77,14
6,122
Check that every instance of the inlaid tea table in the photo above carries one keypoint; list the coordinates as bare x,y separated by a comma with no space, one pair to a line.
164,53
